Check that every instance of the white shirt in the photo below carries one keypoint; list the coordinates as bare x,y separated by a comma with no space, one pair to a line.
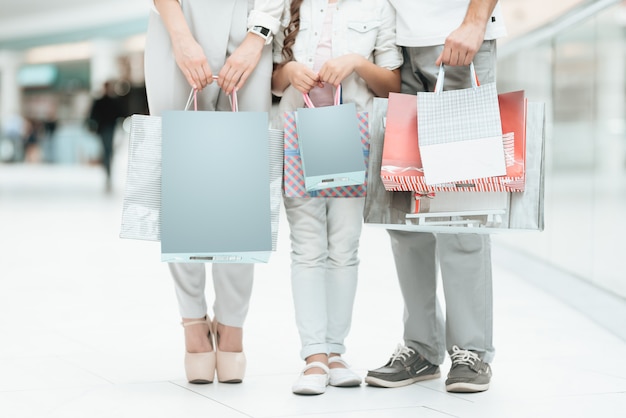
429,22
365,27
266,13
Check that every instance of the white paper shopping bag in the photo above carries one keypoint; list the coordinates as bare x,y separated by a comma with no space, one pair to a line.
141,210
460,132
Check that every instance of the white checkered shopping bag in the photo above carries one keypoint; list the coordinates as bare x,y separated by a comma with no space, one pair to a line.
460,132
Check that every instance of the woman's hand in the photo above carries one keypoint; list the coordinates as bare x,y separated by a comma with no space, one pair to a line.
188,53
192,61
240,64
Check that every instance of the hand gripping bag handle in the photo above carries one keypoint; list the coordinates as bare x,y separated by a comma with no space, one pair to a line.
193,97
309,102
442,73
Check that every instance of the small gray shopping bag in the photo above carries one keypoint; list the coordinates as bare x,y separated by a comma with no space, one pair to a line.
330,145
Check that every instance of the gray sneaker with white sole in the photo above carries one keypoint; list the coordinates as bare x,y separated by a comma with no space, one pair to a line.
468,373
406,366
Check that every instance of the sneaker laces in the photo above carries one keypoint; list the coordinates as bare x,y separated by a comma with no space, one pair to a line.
465,357
402,353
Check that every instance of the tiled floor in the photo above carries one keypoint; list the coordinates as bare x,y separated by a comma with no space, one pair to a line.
89,326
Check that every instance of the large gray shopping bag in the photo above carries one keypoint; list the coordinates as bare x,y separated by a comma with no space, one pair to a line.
141,212
459,212
330,145
460,132
215,195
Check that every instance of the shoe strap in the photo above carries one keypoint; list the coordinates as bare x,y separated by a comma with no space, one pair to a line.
338,359
206,320
315,364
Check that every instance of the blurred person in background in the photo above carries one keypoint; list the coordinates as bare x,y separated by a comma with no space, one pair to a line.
49,127
32,147
15,129
105,112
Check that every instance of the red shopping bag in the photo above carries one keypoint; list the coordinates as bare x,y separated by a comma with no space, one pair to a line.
401,168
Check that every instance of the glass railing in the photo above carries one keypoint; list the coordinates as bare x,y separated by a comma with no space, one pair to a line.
577,67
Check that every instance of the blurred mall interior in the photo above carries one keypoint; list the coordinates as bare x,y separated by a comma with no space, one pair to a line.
56,56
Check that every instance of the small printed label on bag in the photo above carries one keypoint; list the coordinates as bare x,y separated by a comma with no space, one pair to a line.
215,258
335,179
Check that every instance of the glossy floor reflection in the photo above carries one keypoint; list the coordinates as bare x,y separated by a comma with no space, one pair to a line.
89,326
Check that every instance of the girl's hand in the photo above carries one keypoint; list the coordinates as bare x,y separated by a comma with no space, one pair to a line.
335,70
302,77
192,62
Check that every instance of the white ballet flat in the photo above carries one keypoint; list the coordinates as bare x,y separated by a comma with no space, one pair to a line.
342,376
311,384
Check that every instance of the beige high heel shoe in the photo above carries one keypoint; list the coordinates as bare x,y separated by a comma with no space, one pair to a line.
230,367
200,367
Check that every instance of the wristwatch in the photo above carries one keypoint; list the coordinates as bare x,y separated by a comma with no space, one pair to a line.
263,32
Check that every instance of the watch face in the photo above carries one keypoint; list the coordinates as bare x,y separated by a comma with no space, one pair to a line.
261,30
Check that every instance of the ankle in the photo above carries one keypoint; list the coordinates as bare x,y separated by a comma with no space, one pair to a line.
320,358
229,339
336,362
197,335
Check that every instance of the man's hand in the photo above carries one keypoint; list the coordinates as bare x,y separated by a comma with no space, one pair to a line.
241,63
462,45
